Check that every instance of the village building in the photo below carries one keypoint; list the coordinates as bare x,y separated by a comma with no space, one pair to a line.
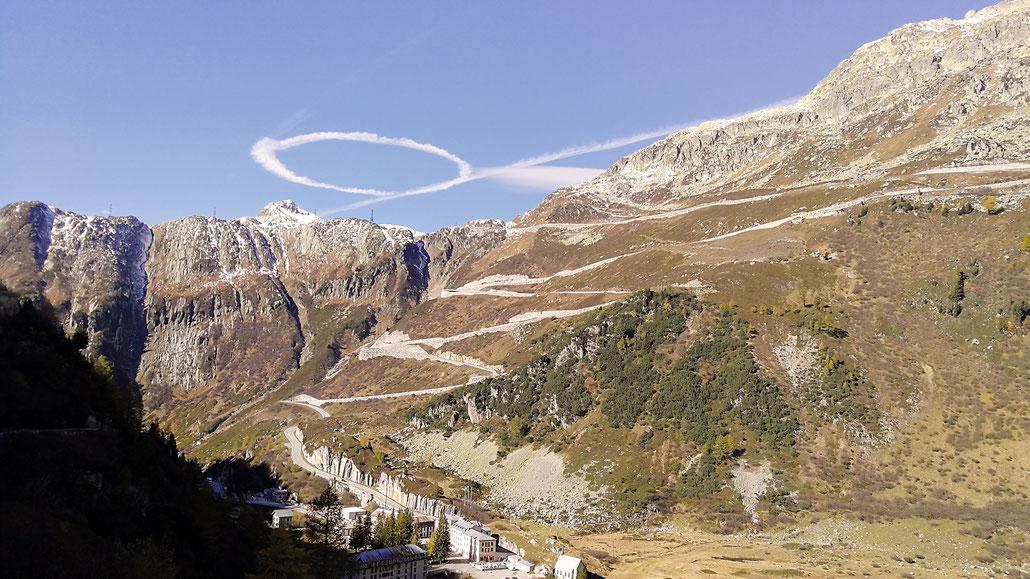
382,513
351,515
403,562
568,567
424,527
277,495
271,497
282,519
516,563
471,540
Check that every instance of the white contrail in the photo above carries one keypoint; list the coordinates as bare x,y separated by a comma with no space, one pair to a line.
521,173
596,147
526,172
540,177
265,153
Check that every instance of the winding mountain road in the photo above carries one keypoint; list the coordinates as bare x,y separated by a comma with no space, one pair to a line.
296,446
978,169
314,407
309,401
398,345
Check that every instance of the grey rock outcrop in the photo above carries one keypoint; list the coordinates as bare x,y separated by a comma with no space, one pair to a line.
224,304
844,127
391,486
229,300
90,269
452,248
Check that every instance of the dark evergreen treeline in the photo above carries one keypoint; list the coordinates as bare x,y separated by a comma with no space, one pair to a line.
625,350
717,378
87,491
843,393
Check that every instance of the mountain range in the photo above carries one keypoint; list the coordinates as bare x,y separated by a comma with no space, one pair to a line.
862,246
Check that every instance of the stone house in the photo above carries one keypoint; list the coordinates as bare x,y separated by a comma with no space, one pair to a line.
282,519
424,527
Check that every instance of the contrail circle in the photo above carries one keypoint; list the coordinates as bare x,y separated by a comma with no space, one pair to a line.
265,153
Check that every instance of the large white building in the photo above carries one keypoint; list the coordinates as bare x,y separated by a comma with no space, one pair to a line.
404,562
568,567
351,515
471,540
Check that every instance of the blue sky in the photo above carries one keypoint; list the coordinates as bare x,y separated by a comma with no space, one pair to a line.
152,108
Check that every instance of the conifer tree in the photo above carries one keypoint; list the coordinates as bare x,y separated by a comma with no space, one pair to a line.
431,545
958,286
361,536
325,528
991,205
1026,243
723,448
391,530
403,529
381,537
440,543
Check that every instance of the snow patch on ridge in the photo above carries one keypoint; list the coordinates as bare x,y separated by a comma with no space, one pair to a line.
138,273
41,234
283,214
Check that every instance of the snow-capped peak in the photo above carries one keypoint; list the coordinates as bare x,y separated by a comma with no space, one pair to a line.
285,214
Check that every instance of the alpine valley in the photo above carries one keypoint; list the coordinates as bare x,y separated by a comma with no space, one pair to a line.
795,342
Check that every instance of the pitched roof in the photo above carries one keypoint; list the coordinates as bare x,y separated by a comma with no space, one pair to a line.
463,524
478,535
402,552
282,513
567,563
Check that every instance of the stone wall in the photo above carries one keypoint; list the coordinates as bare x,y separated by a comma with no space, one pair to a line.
384,484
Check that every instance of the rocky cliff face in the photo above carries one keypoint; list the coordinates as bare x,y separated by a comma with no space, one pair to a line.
385,484
942,89
223,305
451,248
237,306
89,268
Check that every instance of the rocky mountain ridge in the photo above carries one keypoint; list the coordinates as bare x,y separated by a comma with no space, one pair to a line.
860,260
942,89
221,304
91,269
219,311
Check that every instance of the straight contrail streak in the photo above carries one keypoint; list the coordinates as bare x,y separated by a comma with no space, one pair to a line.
265,153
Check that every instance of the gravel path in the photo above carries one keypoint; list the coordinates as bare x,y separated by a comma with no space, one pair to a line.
399,345
665,215
837,208
314,407
490,281
978,169
315,403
